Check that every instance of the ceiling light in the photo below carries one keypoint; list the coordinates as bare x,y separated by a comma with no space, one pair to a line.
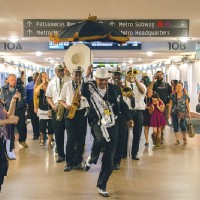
38,53
184,39
13,39
130,61
52,61
149,53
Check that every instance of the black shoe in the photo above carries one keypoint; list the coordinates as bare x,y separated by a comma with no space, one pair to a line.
35,137
124,156
135,158
68,168
87,164
60,159
103,193
78,167
117,167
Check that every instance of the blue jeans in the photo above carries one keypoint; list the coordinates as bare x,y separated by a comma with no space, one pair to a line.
176,123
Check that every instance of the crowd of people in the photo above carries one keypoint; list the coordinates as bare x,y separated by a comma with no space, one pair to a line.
112,107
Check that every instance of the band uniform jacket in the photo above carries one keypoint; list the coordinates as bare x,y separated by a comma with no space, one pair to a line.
114,97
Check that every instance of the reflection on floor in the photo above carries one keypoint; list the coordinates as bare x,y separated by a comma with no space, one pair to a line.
169,173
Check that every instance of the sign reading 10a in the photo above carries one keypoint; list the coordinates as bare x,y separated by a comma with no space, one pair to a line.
176,46
12,46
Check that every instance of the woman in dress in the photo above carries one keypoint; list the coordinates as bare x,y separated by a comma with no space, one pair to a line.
157,119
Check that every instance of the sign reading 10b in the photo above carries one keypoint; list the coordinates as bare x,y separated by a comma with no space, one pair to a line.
176,46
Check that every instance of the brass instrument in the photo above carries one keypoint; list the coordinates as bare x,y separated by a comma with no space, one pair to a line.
60,113
75,104
60,108
77,55
127,91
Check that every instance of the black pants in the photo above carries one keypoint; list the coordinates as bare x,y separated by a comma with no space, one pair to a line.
3,161
34,120
21,125
137,116
76,133
46,124
59,129
108,154
122,136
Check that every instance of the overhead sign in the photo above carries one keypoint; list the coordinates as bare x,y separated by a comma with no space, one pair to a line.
27,46
134,28
99,46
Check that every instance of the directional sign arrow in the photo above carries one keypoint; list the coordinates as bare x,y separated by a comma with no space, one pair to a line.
29,32
112,23
29,23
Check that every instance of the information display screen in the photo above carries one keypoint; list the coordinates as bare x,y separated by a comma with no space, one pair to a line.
99,46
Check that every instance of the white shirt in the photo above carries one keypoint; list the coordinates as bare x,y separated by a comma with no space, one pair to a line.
67,94
139,98
53,89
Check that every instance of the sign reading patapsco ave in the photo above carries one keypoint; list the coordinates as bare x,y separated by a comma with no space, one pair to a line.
134,28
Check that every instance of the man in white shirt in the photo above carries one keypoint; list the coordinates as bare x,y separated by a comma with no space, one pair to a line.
139,91
75,120
53,93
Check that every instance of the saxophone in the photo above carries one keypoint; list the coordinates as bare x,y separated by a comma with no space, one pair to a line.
61,109
75,104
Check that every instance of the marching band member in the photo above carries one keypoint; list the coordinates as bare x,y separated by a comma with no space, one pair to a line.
139,91
122,125
75,120
52,94
106,103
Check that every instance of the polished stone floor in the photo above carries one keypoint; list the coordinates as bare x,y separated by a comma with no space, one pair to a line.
169,173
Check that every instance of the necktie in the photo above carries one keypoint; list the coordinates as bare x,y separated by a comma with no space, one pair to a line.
132,86
61,84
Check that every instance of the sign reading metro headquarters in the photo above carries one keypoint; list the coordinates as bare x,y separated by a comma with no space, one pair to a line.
134,28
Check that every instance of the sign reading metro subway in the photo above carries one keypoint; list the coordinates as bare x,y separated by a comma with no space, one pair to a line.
134,28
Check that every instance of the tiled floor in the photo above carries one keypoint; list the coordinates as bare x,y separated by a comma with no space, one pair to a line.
169,173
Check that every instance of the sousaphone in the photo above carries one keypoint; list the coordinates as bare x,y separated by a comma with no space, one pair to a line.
78,55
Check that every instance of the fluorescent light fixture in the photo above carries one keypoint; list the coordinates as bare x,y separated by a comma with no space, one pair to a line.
52,61
149,53
130,61
13,39
184,39
38,53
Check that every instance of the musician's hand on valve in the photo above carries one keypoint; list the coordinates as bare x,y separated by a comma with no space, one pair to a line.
55,109
68,107
130,123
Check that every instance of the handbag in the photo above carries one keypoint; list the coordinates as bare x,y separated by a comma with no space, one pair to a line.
190,129
10,154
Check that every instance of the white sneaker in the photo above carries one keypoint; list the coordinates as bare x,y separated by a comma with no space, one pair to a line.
87,163
103,193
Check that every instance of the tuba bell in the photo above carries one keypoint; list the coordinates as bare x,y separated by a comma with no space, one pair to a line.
78,55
